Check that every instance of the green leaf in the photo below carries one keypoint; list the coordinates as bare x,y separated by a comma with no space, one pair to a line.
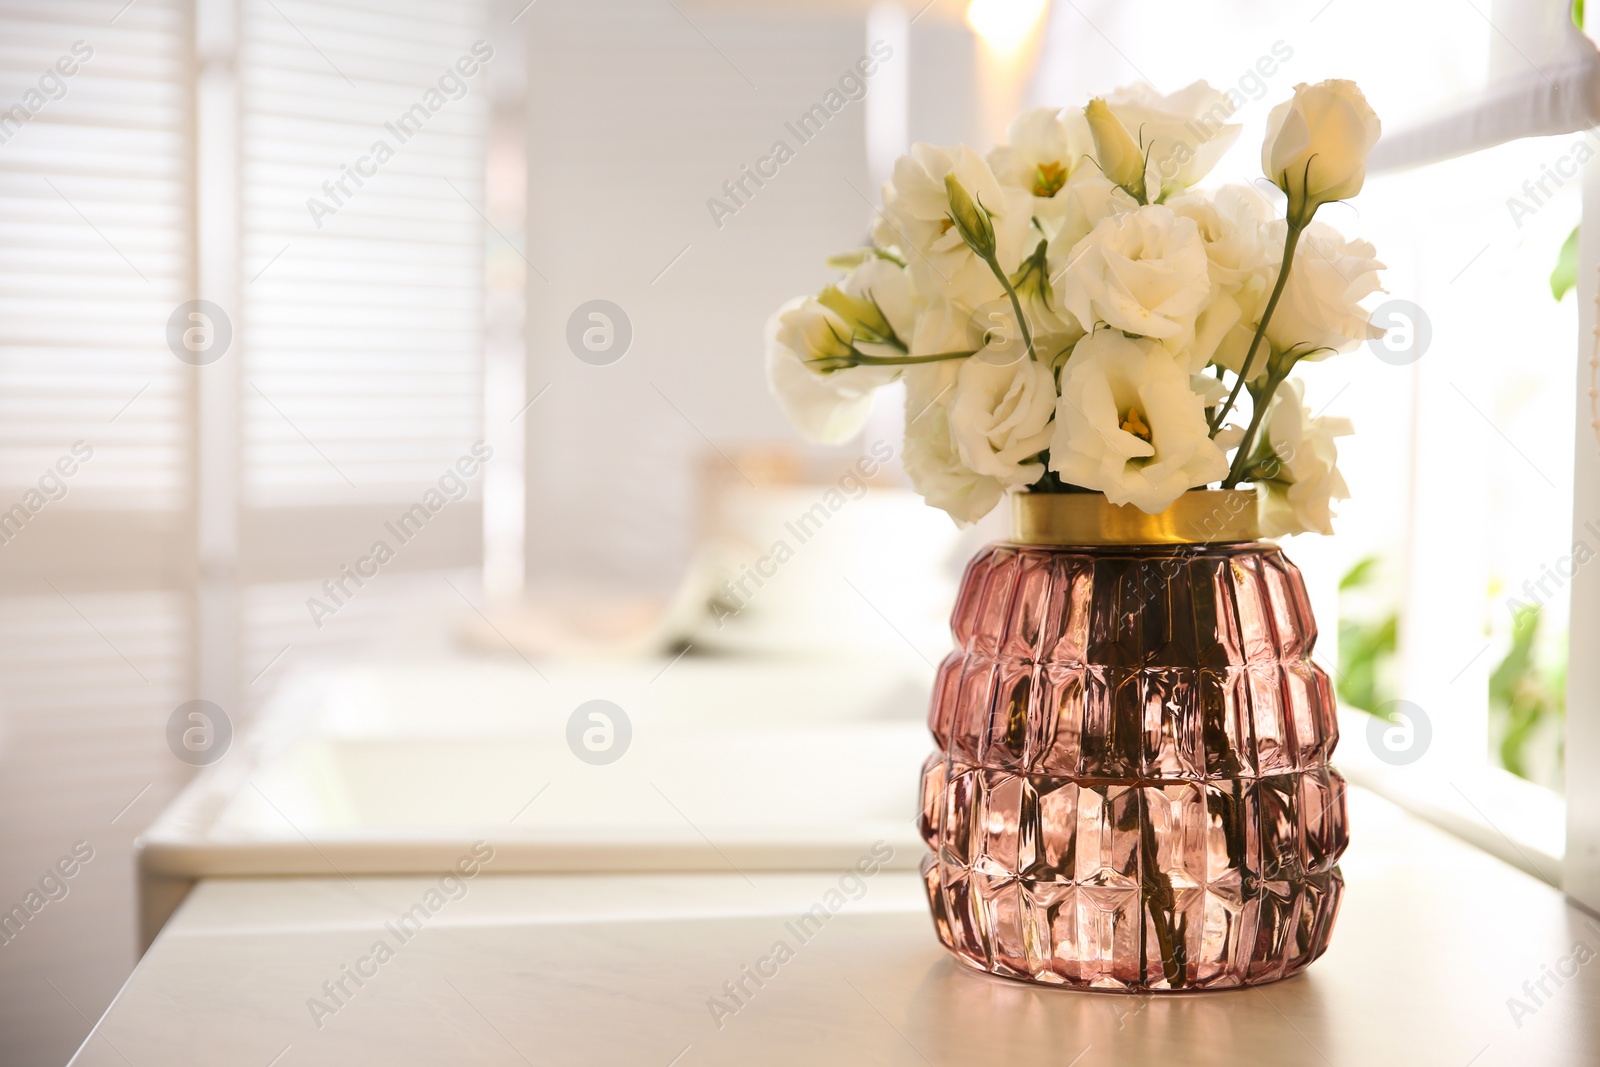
1522,697
1359,575
1369,643
1565,276
1577,13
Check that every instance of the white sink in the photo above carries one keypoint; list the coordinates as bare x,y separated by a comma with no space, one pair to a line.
398,768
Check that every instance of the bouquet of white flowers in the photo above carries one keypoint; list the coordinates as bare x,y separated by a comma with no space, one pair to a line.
1072,315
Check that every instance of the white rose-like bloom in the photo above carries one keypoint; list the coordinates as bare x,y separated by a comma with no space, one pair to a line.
1087,199
1321,304
930,455
1231,222
831,408
1298,498
1054,330
1241,264
1000,417
917,207
1130,425
1143,271
1225,329
945,326
1184,133
1317,144
827,408
995,326
1044,147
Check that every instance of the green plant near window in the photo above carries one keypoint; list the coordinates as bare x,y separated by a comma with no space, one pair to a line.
1368,641
1565,273
1523,696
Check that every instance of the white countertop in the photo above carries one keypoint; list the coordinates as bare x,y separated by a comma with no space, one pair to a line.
1433,941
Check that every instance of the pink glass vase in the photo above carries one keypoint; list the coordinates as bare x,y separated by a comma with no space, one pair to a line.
1131,788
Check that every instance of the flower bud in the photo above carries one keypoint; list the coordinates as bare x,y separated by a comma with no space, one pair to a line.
820,338
849,261
865,319
1317,145
1115,149
971,220
1032,279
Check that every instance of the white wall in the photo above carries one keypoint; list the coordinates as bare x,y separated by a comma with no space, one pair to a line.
635,121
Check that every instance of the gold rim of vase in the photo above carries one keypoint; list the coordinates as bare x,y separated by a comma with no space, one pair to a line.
1199,516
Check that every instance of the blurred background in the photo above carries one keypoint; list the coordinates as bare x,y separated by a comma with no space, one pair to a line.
274,273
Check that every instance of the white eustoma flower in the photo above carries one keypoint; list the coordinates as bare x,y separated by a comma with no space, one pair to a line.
916,207
831,406
1212,392
1087,200
1317,144
1001,412
1231,221
1227,329
930,455
1143,271
886,286
946,326
1240,263
1129,424
1055,330
1183,134
1298,472
1044,147
1321,304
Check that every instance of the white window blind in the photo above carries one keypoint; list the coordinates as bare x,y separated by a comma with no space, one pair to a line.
363,292
363,130
93,195
353,382
95,622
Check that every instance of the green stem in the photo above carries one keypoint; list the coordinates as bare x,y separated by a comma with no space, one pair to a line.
1160,904
1016,304
1292,239
899,361
1276,374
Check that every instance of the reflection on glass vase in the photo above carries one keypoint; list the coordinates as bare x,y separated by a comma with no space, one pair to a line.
1131,789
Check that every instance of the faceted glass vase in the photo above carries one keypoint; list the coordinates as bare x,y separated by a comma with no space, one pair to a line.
1131,789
